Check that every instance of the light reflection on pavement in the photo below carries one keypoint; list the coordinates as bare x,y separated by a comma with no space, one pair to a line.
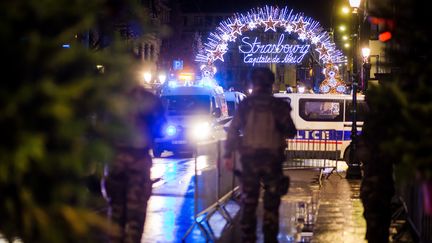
171,207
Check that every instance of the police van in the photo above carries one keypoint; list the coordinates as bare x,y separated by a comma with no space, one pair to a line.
194,113
315,115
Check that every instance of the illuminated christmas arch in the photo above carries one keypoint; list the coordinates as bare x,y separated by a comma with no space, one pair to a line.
270,18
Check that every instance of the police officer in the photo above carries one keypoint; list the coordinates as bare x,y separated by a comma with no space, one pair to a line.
265,123
128,184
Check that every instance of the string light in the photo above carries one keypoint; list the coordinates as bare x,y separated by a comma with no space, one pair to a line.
270,18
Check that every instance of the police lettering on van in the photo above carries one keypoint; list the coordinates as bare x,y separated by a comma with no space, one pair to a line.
325,118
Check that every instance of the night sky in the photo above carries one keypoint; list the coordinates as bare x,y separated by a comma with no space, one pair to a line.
320,10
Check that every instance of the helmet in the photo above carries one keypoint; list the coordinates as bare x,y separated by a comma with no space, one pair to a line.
262,76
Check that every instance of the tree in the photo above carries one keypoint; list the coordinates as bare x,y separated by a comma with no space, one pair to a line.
402,133
52,91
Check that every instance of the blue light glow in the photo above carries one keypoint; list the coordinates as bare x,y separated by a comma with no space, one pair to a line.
170,130
172,84
66,45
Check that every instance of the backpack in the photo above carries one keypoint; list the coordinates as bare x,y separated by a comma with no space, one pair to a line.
260,131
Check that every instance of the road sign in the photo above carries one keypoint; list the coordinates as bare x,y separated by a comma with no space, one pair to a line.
178,64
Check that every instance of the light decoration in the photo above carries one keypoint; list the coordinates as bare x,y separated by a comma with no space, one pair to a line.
302,36
270,18
270,24
300,25
252,25
289,28
332,84
256,52
315,40
236,27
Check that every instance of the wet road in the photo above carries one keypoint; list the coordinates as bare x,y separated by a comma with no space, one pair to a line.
171,208
308,213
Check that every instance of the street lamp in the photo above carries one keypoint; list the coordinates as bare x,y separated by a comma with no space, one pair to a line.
354,170
147,77
355,4
366,67
345,10
366,52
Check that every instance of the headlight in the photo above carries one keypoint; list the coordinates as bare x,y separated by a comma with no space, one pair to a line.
201,130
170,130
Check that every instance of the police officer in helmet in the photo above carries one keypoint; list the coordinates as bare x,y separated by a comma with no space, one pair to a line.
258,132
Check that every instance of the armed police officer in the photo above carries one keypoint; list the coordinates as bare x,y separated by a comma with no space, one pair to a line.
128,184
264,123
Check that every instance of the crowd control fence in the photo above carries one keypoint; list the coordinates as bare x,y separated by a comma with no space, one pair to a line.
411,210
314,151
214,188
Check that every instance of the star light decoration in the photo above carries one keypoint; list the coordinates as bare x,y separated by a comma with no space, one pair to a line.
217,54
270,18
270,24
236,27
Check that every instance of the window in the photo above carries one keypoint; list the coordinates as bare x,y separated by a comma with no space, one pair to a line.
198,20
180,105
209,21
362,110
321,110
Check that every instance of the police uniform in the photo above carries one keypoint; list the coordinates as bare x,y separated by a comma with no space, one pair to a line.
128,183
376,191
260,166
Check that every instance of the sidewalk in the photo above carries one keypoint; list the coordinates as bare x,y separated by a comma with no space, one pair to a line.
332,213
340,212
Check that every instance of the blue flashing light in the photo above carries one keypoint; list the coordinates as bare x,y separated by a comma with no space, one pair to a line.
172,84
208,82
66,45
170,130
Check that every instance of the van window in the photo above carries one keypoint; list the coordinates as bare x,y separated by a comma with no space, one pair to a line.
181,105
321,110
362,110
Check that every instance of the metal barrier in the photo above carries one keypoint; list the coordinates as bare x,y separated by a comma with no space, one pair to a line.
313,151
417,222
213,188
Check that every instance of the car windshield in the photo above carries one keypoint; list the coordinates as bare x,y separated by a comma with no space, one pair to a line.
181,105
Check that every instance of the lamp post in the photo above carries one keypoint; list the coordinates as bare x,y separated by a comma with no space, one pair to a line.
147,77
366,68
354,170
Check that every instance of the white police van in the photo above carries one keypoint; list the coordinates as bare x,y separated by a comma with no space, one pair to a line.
315,114
194,113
